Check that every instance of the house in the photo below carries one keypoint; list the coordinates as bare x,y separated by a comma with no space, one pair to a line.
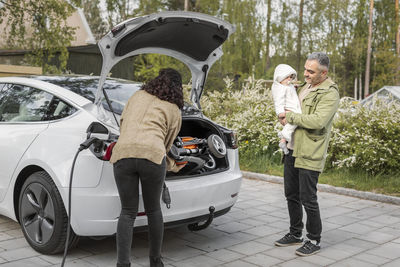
386,93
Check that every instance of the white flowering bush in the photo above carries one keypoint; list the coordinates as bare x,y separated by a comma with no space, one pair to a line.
249,112
363,138
367,138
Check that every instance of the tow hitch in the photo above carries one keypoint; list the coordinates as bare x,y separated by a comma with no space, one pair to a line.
197,227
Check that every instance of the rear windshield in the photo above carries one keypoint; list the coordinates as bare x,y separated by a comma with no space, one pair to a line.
118,90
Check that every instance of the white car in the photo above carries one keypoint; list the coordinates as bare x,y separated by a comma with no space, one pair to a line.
45,119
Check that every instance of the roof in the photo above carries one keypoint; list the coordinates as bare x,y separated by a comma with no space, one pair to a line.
385,92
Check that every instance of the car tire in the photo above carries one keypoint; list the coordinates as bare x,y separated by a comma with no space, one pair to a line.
42,215
216,145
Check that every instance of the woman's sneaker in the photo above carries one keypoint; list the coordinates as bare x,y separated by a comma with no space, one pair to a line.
289,240
308,249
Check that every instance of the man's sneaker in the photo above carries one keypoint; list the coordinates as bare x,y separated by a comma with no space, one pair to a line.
289,240
308,249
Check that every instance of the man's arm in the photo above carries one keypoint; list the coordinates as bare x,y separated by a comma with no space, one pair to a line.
325,109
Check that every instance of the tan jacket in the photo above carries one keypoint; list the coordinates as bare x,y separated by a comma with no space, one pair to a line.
314,124
149,126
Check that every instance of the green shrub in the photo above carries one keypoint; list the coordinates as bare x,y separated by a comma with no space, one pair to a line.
249,112
366,138
363,138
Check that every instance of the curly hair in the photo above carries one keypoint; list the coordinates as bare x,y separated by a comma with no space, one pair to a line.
166,86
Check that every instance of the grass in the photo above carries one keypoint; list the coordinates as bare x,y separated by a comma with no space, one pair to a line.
382,184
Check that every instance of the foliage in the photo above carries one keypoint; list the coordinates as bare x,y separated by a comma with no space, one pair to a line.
363,137
250,112
367,138
92,11
44,33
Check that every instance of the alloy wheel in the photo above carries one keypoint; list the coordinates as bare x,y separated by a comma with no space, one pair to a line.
37,213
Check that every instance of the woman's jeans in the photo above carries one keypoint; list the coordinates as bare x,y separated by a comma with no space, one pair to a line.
301,190
127,173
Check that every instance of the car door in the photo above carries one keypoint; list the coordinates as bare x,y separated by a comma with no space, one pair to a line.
22,119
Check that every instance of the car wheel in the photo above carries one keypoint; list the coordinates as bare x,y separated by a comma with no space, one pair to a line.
216,145
42,215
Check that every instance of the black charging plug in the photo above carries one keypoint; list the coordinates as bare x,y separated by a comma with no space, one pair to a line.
87,143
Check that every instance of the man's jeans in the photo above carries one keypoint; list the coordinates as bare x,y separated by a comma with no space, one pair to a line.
301,189
127,174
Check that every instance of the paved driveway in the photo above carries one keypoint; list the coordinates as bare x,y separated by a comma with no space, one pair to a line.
356,233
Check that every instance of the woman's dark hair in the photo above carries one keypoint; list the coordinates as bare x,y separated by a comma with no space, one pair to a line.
166,86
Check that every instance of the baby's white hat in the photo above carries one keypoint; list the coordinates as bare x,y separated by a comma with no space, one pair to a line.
282,71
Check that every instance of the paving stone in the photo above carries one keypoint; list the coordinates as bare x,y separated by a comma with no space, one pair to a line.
356,232
395,263
372,258
14,244
340,220
28,262
358,228
327,212
239,263
5,236
386,219
334,254
78,263
318,260
225,255
284,253
103,260
253,222
337,236
377,237
199,261
366,213
72,255
262,230
232,227
17,254
262,260
359,243
352,262
388,250
249,248
297,262
2,260
178,253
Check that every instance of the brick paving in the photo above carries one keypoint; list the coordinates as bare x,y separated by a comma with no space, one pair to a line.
356,232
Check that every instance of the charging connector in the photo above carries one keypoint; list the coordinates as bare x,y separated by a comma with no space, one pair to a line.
83,146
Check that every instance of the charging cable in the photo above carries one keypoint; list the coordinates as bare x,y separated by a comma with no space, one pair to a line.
83,146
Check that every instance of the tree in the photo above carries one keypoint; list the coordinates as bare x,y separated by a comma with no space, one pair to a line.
92,11
299,33
268,37
367,64
40,26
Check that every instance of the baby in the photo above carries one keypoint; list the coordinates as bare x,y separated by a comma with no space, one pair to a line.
285,98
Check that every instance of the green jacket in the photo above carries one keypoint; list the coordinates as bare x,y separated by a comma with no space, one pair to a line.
311,137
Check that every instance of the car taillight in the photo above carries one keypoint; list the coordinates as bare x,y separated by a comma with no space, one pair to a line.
232,139
108,153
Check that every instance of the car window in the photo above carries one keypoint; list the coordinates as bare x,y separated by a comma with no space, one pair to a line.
58,109
118,90
23,103
1,87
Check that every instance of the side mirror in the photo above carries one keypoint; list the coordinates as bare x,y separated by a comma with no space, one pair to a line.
98,130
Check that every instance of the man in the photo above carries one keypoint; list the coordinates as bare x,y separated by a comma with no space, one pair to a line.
319,98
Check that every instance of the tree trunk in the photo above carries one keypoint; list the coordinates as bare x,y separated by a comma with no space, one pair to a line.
186,5
299,33
267,63
398,28
397,40
367,65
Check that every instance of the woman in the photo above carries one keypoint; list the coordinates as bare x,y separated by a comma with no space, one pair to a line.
149,124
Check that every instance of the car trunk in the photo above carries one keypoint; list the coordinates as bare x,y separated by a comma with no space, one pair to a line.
202,129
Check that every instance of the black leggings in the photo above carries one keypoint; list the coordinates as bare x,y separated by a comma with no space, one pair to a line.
127,173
